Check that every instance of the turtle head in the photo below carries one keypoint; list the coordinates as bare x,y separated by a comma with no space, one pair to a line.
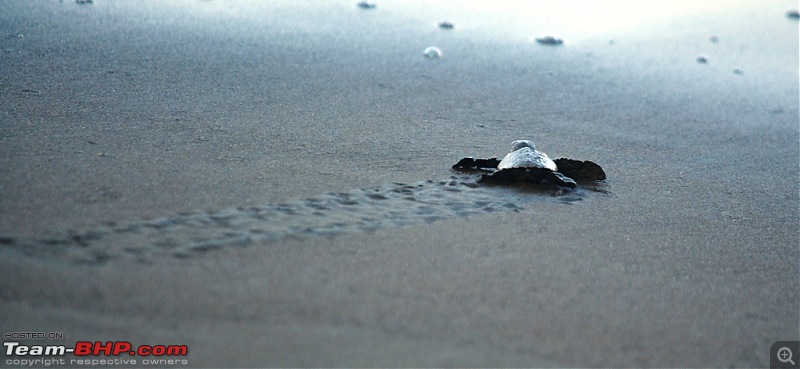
518,144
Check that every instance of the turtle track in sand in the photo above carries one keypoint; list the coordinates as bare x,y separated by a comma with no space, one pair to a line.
328,215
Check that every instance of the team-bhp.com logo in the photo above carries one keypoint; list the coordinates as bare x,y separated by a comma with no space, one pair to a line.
86,348
155,353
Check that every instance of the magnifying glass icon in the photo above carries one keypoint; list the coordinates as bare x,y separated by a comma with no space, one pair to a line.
785,355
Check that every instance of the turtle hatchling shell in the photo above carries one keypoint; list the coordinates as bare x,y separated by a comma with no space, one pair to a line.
527,157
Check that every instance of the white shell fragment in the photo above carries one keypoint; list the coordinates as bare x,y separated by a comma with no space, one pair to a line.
525,155
549,40
432,52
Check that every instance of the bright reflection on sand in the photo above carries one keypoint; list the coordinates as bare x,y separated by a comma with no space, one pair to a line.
579,17
504,21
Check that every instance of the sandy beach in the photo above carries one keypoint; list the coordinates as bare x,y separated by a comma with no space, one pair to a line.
270,183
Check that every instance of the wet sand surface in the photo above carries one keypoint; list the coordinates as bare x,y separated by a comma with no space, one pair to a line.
270,183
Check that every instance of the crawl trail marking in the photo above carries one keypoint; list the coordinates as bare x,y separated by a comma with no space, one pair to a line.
327,215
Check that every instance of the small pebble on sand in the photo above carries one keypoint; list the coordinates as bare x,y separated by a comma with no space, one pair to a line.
432,52
549,40
366,5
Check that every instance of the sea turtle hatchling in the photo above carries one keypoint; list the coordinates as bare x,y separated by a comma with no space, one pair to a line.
527,165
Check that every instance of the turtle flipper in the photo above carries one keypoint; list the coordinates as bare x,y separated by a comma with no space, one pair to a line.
559,179
472,163
529,176
581,171
508,176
